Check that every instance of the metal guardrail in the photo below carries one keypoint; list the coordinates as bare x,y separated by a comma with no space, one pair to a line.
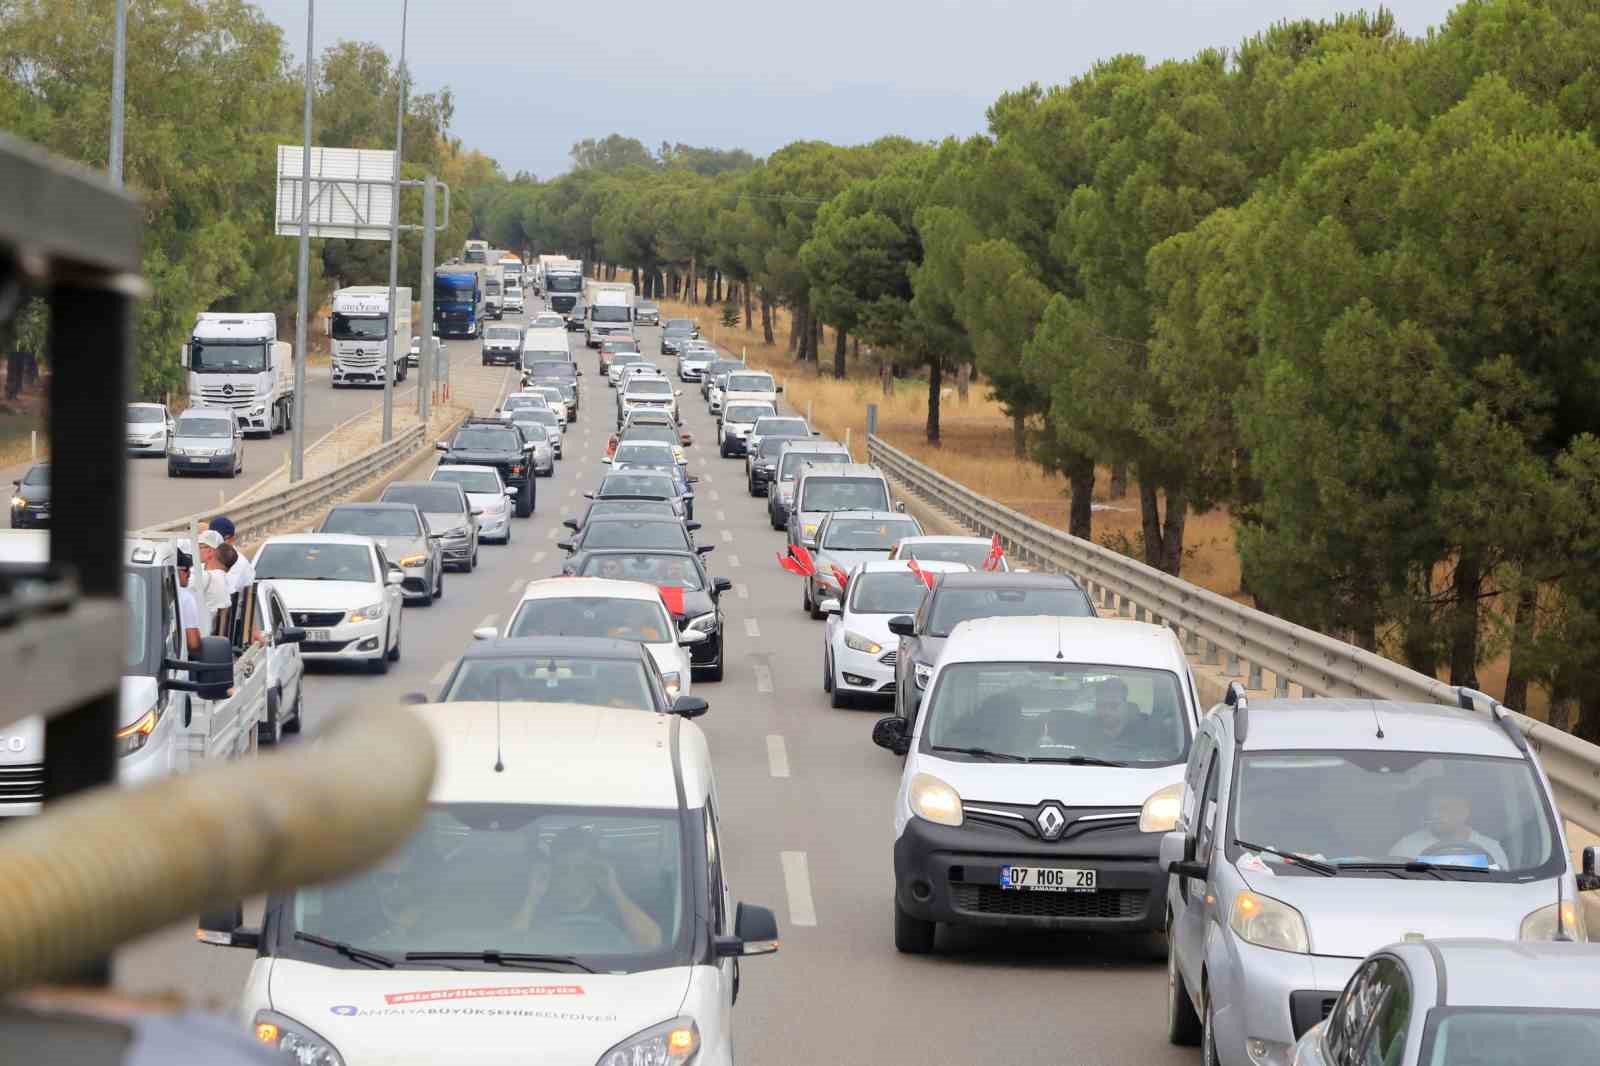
253,517
1252,642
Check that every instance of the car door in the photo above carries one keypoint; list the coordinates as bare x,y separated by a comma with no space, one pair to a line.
288,667
721,921
391,596
1199,817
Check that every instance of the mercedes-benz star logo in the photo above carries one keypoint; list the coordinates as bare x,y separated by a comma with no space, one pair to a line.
227,390
1051,821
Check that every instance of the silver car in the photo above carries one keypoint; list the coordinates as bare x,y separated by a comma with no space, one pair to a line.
1464,1001
488,496
399,529
205,440
845,539
149,428
448,514
1312,832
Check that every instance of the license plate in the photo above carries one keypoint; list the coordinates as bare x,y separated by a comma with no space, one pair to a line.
1047,879
202,458
319,635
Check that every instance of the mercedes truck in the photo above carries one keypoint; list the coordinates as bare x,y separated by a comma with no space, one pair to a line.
610,313
457,302
365,344
237,361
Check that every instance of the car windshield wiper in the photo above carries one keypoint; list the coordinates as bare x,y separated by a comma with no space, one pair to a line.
1326,869
349,951
1075,760
521,959
982,753
1436,870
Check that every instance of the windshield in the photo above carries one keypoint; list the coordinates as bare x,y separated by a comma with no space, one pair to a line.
482,481
223,357
641,451
750,383
973,553
542,415
491,287
593,616
746,412
547,368
315,562
204,427
372,522
649,431
887,593
1051,711
136,641
844,494
503,333
624,358
790,464
866,534
953,605
623,533
563,282
605,885
604,507
453,291
1464,810
1510,1036
645,386
638,485
676,571
374,328
485,439
678,325
781,428
614,347
146,414
609,314
432,498
37,475
555,679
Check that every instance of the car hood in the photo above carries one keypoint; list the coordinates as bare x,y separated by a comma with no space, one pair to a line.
487,501
456,1018
145,429
180,441
397,548
465,458
327,595
1087,786
1353,916
670,659
442,522
873,627
33,493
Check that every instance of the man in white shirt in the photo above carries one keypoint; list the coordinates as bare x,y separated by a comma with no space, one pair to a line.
241,574
210,582
188,610
1449,821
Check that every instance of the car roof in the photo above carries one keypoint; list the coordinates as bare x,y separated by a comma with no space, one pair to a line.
1324,723
207,412
1509,973
1042,638
814,444
874,516
863,470
639,516
655,445
415,484
538,647
559,588
1001,579
567,755
319,538
142,403
464,466
373,505
932,566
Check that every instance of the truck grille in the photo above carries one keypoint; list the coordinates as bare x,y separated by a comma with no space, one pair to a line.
992,899
317,619
228,395
23,783
363,360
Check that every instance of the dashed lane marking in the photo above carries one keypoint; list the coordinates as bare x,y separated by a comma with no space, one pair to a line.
763,678
777,756
742,591
536,558
752,628
733,561
727,536
797,881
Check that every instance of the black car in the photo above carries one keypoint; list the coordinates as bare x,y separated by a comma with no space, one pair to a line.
595,671
30,499
958,597
495,442
561,373
624,505
675,332
762,463
647,484
679,574
641,531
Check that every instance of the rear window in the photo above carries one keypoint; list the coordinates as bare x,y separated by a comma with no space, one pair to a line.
952,606
750,383
372,522
647,386
867,534
487,439
746,412
631,533
431,498
792,460
844,494
483,481
638,485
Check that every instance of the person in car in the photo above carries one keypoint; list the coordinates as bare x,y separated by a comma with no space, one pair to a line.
574,886
611,568
1449,821
677,575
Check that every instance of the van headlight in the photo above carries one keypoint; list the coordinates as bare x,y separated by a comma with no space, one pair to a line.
134,737
1542,924
299,1043
1269,923
1160,812
935,801
366,614
668,1044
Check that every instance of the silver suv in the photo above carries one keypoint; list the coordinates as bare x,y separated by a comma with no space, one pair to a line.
1313,832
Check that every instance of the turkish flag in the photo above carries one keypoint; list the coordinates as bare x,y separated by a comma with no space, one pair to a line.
997,552
797,561
927,578
672,596
841,577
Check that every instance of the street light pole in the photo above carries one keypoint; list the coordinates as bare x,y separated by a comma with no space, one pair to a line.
119,79
297,447
395,339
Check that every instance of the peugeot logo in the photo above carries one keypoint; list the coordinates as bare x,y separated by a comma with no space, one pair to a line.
1051,821
227,390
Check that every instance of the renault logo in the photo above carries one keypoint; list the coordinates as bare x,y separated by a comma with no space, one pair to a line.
1051,821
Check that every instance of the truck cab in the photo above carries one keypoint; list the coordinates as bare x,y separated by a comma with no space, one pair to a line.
457,302
563,285
609,314
494,292
236,361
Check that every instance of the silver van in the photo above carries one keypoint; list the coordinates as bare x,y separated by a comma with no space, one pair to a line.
824,487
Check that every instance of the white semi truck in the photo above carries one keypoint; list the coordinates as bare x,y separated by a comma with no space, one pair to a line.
541,268
609,314
237,361
494,296
364,342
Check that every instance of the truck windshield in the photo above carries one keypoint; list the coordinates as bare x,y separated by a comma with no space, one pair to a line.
492,287
224,357
609,314
564,282
447,291
348,328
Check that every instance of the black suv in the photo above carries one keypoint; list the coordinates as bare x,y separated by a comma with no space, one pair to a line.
495,442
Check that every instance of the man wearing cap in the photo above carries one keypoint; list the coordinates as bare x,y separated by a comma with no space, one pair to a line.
241,574
211,581
188,610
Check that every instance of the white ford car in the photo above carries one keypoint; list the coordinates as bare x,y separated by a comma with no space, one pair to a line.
570,910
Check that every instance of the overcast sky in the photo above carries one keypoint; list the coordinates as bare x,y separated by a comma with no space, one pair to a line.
530,77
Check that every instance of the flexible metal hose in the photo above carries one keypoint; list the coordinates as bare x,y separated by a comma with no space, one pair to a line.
114,864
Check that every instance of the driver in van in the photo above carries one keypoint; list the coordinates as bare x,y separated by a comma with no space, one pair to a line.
574,884
1449,821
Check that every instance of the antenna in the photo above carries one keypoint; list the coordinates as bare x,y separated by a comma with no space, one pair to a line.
499,762
1373,707
1059,655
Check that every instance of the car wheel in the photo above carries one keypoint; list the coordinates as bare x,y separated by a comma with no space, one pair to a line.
380,665
714,673
507,538
724,450
827,674
524,502
912,936
291,725
393,654
805,598
1208,1034
171,470
270,731
473,564
438,583
839,699
1183,1024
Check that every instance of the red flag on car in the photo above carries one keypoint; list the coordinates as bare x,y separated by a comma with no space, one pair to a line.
797,561
672,597
841,577
927,578
997,552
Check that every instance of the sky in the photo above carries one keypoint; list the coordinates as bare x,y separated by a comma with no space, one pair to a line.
531,77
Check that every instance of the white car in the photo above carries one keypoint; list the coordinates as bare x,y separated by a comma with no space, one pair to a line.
750,385
488,496
285,669
342,591
513,300
738,419
645,392
602,607
575,905
858,649
557,402
547,320
1047,764
974,551
149,427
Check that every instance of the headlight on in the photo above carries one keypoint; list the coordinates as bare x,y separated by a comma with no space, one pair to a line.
1160,812
935,801
131,738
808,530
366,614
1268,923
673,682
414,560
857,642
18,501
300,1044
1542,925
704,623
922,673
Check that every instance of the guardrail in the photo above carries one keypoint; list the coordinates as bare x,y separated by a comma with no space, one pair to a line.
1251,642
253,517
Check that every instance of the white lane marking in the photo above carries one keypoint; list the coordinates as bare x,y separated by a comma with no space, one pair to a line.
742,591
722,516
727,535
763,678
555,532
797,882
515,586
777,756
752,628
733,560
489,621
571,493
715,495
537,558
708,479
438,680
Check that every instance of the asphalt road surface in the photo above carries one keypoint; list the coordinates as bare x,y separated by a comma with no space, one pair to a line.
807,820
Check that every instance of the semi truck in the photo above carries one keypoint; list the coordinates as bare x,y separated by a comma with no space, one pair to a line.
457,302
475,252
366,345
609,314
563,285
237,361
541,268
494,304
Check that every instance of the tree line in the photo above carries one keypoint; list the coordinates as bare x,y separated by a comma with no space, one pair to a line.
1338,279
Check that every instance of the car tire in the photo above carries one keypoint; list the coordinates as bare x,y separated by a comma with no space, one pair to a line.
291,725
1208,1033
380,665
270,731
805,598
714,673
723,448
912,936
473,563
393,654
839,699
1184,1027
524,505
172,471
827,675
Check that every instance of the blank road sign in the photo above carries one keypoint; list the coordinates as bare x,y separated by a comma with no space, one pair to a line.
351,195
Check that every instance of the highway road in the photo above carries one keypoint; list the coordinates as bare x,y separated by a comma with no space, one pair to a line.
807,821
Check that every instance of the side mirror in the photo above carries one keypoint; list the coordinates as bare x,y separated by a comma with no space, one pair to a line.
414,698
291,635
511,491
398,577
692,636
690,706
441,446
830,606
691,526
565,545
903,625
588,495
677,392
224,928
705,549
1177,856
755,932
1589,880
892,733
721,584
485,633
477,510
606,459
692,479
780,388
211,671
571,523
687,439
900,505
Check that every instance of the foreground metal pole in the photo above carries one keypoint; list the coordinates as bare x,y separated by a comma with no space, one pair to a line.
395,340
426,360
297,433
119,85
